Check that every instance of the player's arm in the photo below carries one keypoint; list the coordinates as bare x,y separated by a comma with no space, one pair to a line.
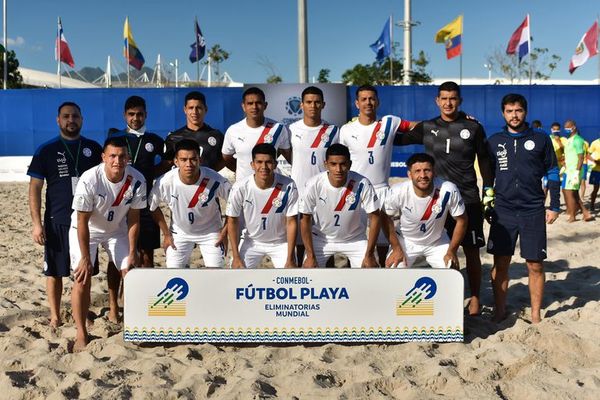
233,231
159,218
230,161
310,260
291,231
397,255
459,233
133,231
413,136
84,270
287,154
374,222
35,209
483,158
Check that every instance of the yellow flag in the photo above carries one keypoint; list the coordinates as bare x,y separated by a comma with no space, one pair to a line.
451,30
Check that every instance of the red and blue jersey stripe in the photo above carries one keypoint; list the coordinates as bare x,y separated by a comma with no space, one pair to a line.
357,198
342,202
267,129
121,194
273,196
198,192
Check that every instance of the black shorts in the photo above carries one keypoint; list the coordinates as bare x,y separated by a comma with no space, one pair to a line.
530,229
57,261
474,236
149,238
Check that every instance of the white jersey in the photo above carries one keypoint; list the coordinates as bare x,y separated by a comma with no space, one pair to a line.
195,210
339,214
422,219
264,210
240,139
371,146
309,145
108,202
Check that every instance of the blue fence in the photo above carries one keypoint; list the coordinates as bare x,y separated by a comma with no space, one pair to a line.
29,116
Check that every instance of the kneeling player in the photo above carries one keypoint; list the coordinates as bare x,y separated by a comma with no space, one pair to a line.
268,203
424,203
192,194
106,204
334,211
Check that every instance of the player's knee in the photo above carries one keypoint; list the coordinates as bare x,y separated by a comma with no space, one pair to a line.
535,267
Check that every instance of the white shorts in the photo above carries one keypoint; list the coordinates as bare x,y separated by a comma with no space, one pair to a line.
355,251
252,253
117,248
434,254
213,256
382,194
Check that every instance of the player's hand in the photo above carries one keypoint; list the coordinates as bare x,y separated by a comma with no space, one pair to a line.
83,272
38,235
310,262
133,259
168,241
551,216
222,241
369,261
395,258
237,263
451,260
291,263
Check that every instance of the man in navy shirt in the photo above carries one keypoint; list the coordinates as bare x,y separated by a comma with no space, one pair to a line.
521,156
59,162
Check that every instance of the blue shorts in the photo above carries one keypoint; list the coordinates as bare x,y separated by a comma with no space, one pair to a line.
530,229
595,178
57,262
584,168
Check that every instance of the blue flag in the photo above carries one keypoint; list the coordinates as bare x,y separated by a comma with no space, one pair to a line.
383,46
198,47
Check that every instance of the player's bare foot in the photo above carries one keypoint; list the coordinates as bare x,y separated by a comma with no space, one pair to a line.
474,307
80,344
55,323
589,218
536,319
113,317
571,220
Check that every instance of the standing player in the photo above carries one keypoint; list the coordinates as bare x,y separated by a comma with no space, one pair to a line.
209,139
454,140
60,162
521,157
335,208
310,138
268,202
371,142
192,193
575,154
594,154
424,203
106,211
254,129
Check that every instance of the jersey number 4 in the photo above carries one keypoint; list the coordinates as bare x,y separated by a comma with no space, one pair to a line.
423,228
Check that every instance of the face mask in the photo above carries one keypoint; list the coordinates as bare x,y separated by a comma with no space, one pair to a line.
555,132
568,130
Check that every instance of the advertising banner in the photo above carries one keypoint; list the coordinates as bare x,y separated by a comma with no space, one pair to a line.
293,305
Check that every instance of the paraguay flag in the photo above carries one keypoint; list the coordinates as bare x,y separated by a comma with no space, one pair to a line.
519,42
61,51
132,53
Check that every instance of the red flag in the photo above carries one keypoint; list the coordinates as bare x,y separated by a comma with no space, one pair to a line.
63,51
587,47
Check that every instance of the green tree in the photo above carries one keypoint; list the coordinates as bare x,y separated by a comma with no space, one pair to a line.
274,79
324,75
378,73
15,80
542,64
217,56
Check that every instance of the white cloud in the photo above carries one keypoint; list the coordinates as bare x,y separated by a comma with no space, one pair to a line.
18,42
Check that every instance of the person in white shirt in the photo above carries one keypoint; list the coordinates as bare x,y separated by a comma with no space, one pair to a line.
424,203
310,138
335,208
107,203
371,143
254,129
268,202
192,193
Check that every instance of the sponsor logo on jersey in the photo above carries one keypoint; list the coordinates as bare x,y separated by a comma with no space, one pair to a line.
169,301
435,131
62,159
502,155
419,300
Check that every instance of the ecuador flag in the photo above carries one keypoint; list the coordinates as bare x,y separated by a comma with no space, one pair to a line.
132,53
451,35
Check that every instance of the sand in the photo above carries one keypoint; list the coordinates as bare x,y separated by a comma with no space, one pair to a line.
558,358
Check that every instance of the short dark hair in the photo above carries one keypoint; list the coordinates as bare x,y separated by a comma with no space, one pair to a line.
449,86
253,90
134,102
264,148
68,104
337,149
187,144
195,95
555,124
419,158
536,123
366,88
115,141
312,90
512,98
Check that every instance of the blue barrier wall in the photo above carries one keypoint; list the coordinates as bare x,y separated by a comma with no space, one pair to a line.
28,117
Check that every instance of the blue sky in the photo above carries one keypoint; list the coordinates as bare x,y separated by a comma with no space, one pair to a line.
265,31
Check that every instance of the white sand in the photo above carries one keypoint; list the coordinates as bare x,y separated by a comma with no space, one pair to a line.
558,358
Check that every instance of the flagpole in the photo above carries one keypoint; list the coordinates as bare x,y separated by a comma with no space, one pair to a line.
461,52
530,50
197,52
391,49
58,38
127,50
5,58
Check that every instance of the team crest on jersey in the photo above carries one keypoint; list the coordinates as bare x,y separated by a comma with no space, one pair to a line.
436,208
149,147
268,138
465,134
87,152
351,199
212,141
529,145
380,135
292,106
203,197
277,202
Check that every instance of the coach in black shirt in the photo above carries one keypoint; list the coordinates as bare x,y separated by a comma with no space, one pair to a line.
209,139
454,140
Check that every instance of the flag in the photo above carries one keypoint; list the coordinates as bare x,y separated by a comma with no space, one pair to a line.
519,41
61,48
383,46
198,47
451,36
136,59
587,47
